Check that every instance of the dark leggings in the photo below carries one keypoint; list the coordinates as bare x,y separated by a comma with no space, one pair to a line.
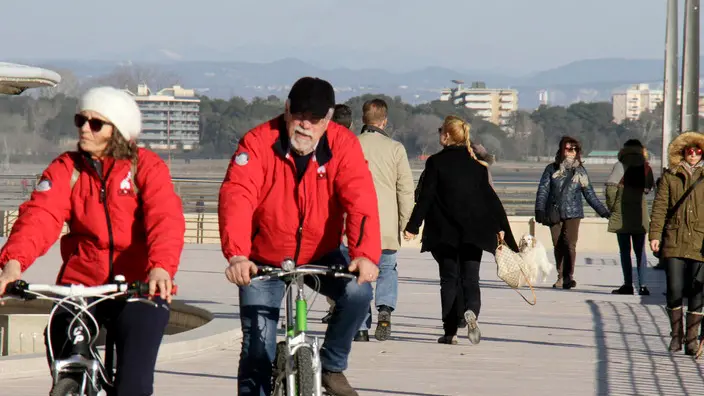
459,283
685,278
137,330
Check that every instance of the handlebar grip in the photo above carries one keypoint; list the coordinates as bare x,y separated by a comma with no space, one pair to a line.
141,289
19,289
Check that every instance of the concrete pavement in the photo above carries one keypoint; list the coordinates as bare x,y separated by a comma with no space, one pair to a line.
579,342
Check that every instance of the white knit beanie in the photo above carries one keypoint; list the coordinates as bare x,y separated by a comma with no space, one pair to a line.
117,106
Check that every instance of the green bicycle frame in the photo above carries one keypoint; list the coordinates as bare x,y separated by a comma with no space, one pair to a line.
300,324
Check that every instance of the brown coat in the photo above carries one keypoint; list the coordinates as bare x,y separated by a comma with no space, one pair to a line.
393,181
683,236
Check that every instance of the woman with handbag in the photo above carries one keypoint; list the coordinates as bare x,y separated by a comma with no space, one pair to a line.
677,234
558,205
463,216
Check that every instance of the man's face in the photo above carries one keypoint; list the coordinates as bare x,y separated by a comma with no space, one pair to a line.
305,130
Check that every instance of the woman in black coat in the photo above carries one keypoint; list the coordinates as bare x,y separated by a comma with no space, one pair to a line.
463,217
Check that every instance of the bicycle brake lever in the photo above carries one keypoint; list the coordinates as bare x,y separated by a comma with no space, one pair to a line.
144,301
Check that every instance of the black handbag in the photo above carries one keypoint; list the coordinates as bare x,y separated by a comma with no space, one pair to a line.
552,215
671,212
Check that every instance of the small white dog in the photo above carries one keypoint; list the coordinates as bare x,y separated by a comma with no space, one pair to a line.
535,258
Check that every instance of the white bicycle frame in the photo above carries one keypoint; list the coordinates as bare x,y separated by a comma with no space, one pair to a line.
295,337
75,297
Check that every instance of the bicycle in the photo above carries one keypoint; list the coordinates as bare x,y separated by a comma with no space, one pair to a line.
297,369
83,373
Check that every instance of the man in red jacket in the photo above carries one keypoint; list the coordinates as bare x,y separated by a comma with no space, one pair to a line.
284,196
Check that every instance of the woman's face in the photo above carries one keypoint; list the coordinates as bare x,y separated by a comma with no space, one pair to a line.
570,150
693,155
94,132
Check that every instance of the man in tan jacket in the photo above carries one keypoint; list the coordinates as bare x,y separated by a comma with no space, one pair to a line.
393,181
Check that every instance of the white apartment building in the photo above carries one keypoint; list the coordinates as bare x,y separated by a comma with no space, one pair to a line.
639,98
635,100
170,117
494,105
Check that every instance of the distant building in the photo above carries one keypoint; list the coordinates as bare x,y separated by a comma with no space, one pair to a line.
638,98
543,97
170,117
491,104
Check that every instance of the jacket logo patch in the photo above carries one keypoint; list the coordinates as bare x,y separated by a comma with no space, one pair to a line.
44,185
322,172
242,159
125,184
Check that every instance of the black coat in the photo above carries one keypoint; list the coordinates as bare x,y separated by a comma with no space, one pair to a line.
458,204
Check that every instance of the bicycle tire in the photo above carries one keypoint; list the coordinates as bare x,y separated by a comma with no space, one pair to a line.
305,377
66,387
278,386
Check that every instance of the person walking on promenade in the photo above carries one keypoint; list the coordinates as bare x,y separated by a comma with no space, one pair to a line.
463,217
393,182
559,205
677,234
630,180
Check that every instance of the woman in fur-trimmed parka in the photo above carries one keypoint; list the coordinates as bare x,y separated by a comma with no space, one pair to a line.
678,235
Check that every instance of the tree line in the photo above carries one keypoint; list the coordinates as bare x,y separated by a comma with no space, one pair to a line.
41,124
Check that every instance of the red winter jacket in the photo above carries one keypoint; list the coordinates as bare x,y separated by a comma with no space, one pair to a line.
109,230
266,215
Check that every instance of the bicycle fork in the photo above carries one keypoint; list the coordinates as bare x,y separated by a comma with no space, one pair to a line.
296,338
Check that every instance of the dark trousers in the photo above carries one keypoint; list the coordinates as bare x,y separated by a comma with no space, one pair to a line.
137,330
624,245
564,239
459,283
685,278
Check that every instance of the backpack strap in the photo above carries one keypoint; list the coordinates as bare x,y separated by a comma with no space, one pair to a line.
133,174
74,176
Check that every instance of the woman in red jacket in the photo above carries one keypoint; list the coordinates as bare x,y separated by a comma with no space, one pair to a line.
124,219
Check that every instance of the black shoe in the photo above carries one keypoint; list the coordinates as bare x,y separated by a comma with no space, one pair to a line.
569,285
450,340
644,291
625,289
557,284
326,318
362,335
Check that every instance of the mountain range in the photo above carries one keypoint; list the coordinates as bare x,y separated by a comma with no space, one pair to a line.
583,80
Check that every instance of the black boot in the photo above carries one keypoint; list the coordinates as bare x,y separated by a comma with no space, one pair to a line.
677,332
694,321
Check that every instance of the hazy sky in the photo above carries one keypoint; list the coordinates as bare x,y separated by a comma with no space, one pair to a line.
517,36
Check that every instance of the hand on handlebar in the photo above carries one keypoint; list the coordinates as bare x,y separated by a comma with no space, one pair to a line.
240,271
10,273
368,271
160,278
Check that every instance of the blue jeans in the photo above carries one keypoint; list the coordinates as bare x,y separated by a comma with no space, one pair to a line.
624,246
260,303
386,284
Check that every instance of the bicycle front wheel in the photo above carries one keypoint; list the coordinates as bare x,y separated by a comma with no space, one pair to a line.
305,376
66,387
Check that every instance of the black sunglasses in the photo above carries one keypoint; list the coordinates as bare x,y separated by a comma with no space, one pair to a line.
95,124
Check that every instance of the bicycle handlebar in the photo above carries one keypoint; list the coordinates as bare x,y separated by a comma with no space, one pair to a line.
26,291
339,271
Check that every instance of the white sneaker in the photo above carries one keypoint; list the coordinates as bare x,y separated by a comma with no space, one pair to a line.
473,332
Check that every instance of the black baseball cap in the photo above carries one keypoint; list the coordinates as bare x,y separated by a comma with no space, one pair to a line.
311,94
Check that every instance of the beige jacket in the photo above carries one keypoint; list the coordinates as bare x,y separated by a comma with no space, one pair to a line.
393,180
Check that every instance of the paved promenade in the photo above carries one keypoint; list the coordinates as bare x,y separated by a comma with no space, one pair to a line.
579,342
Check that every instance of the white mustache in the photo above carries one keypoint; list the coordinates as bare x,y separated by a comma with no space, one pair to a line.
302,131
